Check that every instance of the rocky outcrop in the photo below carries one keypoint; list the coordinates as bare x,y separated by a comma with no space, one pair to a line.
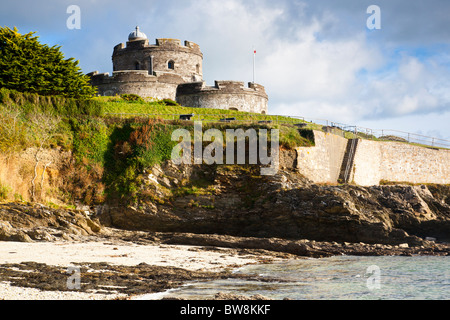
33,222
283,248
28,223
237,201
110,279
231,296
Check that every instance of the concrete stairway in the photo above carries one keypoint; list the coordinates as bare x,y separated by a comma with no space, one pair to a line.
347,162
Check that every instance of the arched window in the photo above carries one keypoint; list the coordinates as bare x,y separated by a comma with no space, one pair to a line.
137,65
171,65
198,68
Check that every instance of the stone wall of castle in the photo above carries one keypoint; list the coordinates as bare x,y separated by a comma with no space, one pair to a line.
224,95
160,86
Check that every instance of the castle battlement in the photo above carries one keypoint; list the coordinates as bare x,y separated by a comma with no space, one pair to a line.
222,87
161,43
161,86
224,95
120,76
176,42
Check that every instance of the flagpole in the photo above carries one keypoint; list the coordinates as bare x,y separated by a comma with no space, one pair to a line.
254,58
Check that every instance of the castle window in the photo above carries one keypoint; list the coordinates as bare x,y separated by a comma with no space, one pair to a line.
137,66
198,68
171,65
150,69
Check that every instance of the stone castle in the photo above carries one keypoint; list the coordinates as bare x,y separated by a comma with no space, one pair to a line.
170,70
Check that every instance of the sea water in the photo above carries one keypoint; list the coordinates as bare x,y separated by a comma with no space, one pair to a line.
337,278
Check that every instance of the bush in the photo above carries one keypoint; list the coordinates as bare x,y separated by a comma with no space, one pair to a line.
132,98
54,105
152,143
14,132
90,141
134,146
170,103
83,183
4,192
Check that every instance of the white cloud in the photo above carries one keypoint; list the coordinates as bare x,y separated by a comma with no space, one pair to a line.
316,69
227,31
412,87
349,79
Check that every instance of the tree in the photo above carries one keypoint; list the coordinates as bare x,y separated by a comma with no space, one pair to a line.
26,65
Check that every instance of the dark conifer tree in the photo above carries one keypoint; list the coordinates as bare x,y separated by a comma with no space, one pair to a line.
26,65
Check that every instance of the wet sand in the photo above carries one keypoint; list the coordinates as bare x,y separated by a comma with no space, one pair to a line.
109,270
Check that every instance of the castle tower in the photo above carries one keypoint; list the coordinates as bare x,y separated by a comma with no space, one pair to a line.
167,56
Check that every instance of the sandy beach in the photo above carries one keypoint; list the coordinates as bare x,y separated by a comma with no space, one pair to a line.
68,254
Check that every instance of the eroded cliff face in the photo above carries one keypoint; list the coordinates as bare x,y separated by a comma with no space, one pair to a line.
237,201
33,173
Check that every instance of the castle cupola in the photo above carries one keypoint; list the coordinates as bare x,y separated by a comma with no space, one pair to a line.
137,35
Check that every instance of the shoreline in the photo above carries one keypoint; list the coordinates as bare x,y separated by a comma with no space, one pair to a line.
137,265
111,269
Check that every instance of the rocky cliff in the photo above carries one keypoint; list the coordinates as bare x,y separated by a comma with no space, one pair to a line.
237,201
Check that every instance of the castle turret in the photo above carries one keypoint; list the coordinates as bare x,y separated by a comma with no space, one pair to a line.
137,35
166,56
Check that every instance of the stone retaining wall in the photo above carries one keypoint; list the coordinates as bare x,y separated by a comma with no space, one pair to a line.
374,162
322,163
400,162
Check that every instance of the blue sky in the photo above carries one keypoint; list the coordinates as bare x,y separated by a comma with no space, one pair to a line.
317,59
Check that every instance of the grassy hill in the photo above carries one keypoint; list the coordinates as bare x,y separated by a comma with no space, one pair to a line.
170,110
